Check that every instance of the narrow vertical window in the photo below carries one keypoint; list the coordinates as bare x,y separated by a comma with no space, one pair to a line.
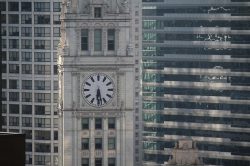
85,123
111,39
84,39
98,40
98,12
85,162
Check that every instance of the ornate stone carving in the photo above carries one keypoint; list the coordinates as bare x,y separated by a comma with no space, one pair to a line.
124,6
86,9
184,153
129,50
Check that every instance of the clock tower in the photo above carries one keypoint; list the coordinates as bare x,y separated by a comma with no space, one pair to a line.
98,59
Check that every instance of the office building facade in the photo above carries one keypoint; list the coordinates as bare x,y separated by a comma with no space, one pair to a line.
30,35
98,62
196,79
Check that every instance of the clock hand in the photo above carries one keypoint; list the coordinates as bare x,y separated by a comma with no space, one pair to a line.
98,97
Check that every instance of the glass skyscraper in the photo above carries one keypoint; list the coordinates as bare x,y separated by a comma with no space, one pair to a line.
30,35
196,79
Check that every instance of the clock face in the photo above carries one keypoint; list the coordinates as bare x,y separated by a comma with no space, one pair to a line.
98,89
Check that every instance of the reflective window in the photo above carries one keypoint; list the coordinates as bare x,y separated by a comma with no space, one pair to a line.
42,97
4,83
42,135
42,110
41,6
111,39
56,19
26,43
13,31
26,6
42,122
4,43
84,39
42,32
26,31
3,6
26,69
98,40
26,19
42,147
26,121
27,84
85,162
13,6
42,160
14,109
98,123
26,56
111,143
55,44
97,12
42,85
98,162
56,32
85,123
42,69
57,6
13,43
98,143
14,68
85,143
42,57
42,19
13,56
111,123
3,31
26,97
4,57
13,84
13,19
42,44
111,162
13,121
27,109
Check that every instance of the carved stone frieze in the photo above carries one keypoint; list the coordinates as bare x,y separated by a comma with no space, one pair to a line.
94,114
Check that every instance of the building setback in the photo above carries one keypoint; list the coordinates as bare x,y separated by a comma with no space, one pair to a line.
30,35
196,79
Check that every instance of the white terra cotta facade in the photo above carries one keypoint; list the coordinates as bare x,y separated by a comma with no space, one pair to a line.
97,39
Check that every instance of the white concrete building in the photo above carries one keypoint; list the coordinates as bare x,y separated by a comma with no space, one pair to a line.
30,35
99,83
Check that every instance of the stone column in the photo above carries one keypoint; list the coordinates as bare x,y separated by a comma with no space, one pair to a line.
104,41
118,142
91,42
117,42
105,141
92,141
78,40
